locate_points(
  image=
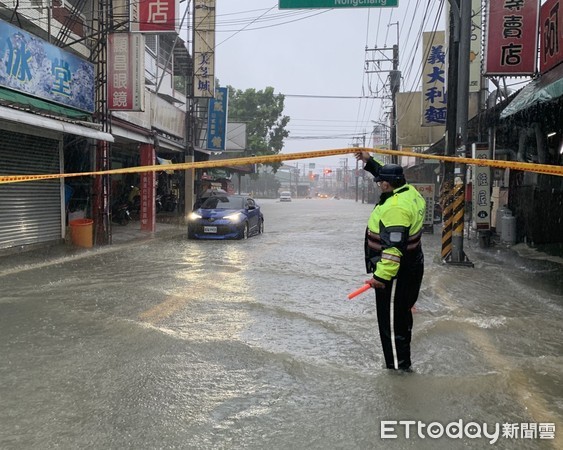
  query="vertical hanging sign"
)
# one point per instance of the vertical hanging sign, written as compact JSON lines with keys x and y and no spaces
{"x":434,"y":79}
{"x":551,"y":34}
{"x":154,"y":16}
{"x":217,"y":120}
{"x":126,"y":72}
{"x":511,"y":43}
{"x":481,"y":189}
{"x":204,"y":48}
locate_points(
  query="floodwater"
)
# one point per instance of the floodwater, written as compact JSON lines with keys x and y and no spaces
{"x":174,"y":344}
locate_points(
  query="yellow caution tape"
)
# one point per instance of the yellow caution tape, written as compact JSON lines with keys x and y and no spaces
{"x":267,"y":159}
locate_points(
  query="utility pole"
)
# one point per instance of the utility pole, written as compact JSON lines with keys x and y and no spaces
{"x":102,"y":184}
{"x":456,"y":128}
{"x":394,"y":82}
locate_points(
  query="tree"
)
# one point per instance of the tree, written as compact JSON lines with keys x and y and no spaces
{"x":262,"y":111}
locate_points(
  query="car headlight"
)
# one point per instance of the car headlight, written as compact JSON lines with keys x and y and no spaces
{"x":234,"y":217}
{"x":194,"y":216}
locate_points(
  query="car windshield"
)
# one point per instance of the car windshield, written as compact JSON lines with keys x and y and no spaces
{"x":223,"y":203}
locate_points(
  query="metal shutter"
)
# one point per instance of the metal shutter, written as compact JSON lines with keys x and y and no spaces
{"x":30,"y":212}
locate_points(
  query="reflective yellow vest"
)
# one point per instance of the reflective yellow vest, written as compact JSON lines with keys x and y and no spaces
{"x":394,"y":230}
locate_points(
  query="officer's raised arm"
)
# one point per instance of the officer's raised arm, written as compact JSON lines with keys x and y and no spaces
{"x":371,"y":165}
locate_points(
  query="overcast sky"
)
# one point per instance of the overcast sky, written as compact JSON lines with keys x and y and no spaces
{"x":319,"y":52}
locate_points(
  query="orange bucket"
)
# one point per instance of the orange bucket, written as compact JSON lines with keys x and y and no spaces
{"x":81,"y":232}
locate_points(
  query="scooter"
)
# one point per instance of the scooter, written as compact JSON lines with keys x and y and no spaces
{"x":120,"y":213}
{"x":169,"y":202}
{"x":158,"y":203}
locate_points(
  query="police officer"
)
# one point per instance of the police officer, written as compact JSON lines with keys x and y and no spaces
{"x":393,"y":254}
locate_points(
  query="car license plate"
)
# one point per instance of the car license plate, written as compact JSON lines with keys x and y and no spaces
{"x":210,"y":229}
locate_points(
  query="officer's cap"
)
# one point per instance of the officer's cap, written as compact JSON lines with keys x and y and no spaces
{"x":390,"y":172}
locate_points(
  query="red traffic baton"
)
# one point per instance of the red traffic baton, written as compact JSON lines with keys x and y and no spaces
{"x":359,"y":291}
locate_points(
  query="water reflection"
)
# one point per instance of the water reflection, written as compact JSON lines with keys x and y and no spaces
{"x":253,"y":344}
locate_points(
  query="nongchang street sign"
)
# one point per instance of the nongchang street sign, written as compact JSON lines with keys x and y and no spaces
{"x":307,"y":4}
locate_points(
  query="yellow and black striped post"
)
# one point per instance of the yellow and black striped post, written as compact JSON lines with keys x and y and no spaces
{"x":452,"y":232}
{"x":447,"y":221}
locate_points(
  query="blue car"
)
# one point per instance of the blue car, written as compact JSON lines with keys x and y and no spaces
{"x":226,"y":217}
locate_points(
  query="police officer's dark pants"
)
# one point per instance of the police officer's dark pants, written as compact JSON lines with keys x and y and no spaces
{"x":394,"y":314}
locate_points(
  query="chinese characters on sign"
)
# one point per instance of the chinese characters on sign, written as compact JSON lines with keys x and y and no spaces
{"x":126,"y":67}
{"x":551,"y":35}
{"x":35,"y":67}
{"x":204,"y":48}
{"x":511,"y":41}
{"x":481,"y":189}
{"x":217,"y":120}
{"x":147,"y":218}
{"x":434,"y":79}
{"x":154,"y":16}
{"x":427,"y":191}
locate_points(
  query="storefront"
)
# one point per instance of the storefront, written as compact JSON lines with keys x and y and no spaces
{"x":46,"y":106}
{"x":36,"y":212}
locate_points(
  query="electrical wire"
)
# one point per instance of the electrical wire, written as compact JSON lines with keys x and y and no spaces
{"x":237,"y":32}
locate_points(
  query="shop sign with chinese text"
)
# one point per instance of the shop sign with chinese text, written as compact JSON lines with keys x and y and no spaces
{"x":433,"y":79}
{"x":481,"y":195}
{"x":511,"y":42}
{"x":154,"y":16}
{"x":32,"y":66}
{"x":204,"y":48}
{"x":551,"y":35}
{"x":126,"y":71}
{"x":217,"y":120}
{"x":427,"y":191}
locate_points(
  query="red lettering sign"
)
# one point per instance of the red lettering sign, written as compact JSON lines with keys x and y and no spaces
{"x":511,"y":42}
{"x":154,"y":16}
{"x":551,"y":35}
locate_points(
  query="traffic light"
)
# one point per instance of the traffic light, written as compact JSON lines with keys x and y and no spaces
{"x":327,"y":171}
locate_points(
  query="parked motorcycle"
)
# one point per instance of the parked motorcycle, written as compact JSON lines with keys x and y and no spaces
{"x":120,"y":213}
{"x":134,"y":199}
{"x":169,"y":202}
{"x":158,"y":203}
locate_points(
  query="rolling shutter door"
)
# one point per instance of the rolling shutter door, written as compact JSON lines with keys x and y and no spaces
{"x":30,"y":212}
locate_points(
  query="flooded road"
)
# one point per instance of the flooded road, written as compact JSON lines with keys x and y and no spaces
{"x":176,"y":344}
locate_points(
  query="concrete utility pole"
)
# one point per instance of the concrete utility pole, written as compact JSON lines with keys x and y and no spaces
{"x":456,"y":127}
{"x":394,"y":83}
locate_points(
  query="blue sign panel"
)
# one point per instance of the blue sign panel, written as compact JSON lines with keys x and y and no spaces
{"x":30,"y":65}
{"x":217,"y":121}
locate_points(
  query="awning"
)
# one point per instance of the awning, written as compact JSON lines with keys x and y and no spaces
{"x":542,"y":90}
{"x":130,"y":134}
{"x":171,"y":144}
{"x":14,"y":115}
{"x":9,"y":97}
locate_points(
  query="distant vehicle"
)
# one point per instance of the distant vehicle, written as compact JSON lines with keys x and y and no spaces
{"x":322,"y":195}
{"x":226,"y":217}
{"x":285,"y":196}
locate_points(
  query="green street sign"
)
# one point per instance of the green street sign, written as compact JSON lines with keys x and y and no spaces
{"x":307,"y":4}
